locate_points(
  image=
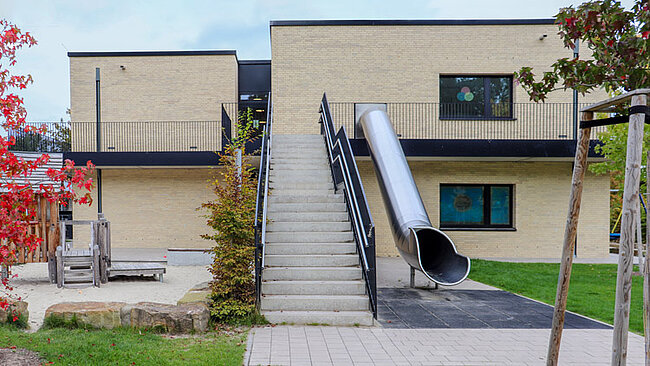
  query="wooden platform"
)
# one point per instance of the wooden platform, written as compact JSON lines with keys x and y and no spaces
{"x":137,"y":269}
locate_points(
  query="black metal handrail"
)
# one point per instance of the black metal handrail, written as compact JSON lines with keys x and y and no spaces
{"x":430,"y":120}
{"x":261,"y":202}
{"x":345,"y":172}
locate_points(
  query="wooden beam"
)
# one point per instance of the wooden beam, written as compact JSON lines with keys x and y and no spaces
{"x":626,"y":248}
{"x":579,"y":168}
{"x":611,"y":103}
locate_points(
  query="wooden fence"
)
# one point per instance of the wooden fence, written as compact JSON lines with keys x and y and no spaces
{"x":45,"y":227}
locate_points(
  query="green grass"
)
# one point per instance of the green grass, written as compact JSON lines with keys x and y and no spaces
{"x":126,"y":347}
{"x":591,"y":291}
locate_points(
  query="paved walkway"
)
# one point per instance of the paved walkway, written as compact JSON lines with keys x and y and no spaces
{"x":305,"y":345}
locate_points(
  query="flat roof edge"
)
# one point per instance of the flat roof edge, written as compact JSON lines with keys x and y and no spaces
{"x":151,"y":53}
{"x":414,"y":22}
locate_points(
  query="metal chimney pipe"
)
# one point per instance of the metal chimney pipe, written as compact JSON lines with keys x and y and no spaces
{"x":422,"y":246}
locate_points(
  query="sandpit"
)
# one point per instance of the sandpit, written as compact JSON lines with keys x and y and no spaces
{"x":34,"y":287}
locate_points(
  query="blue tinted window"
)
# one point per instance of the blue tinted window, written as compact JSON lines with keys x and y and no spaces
{"x":500,"y":206}
{"x":461,"y":205}
{"x":475,"y":206}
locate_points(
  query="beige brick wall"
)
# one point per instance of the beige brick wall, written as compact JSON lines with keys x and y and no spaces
{"x":398,"y":64}
{"x":541,"y":192}
{"x":152,"y":88}
{"x":153,"y":208}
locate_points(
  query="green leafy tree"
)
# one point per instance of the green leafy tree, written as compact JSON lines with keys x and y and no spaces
{"x":620,"y":62}
{"x":231,"y":216}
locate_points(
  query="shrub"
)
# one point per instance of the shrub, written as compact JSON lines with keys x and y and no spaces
{"x":231,"y":216}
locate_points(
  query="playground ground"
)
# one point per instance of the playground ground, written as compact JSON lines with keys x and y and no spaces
{"x":469,"y":324}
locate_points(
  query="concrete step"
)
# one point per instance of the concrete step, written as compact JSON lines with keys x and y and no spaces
{"x":302,"y":192}
{"x":297,"y":137}
{"x":326,"y":260}
{"x":315,"y":303}
{"x":300,"y":178}
{"x":301,"y":185}
{"x":298,"y":153}
{"x":308,"y":216}
{"x":317,"y":162}
{"x":338,"y":318}
{"x":308,"y":207}
{"x":279,"y":226}
{"x":315,"y":165}
{"x":310,"y":248}
{"x":311,"y":273}
{"x":357,"y":287}
{"x":322,"y":173}
{"x":309,"y":237}
{"x":292,"y":197}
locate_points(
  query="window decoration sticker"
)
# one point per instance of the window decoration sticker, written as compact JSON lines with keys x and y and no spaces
{"x":462,"y":202}
{"x":465,"y":95}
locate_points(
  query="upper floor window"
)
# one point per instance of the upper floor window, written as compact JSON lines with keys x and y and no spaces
{"x":476,"y":97}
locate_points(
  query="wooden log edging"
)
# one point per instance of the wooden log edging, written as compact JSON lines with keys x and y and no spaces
{"x":579,"y":168}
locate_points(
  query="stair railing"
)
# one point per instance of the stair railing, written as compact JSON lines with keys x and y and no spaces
{"x":261,"y":202}
{"x":345,"y":172}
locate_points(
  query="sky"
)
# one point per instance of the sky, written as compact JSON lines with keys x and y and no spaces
{"x":61,"y":26}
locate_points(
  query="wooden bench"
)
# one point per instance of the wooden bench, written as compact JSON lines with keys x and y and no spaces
{"x":137,"y":269}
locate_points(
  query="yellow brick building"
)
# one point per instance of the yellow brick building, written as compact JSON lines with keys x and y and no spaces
{"x":163,"y":113}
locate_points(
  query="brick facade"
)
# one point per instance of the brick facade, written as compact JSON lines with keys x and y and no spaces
{"x":541,"y":193}
{"x":397,"y":63}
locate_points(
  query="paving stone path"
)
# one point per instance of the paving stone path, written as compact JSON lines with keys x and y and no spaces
{"x":305,"y":345}
{"x":442,"y":327}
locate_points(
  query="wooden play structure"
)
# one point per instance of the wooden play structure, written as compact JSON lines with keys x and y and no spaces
{"x":80,"y":266}
{"x":92,"y":265}
{"x":638,"y":113}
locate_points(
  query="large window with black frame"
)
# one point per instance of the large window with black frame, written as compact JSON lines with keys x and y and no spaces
{"x":476,"y":206}
{"x":476,"y":97}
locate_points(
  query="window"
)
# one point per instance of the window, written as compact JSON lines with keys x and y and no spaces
{"x":476,"y":206}
{"x":476,"y":97}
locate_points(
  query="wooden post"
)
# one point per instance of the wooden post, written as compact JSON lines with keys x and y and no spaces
{"x":626,"y":248}
{"x":646,"y":273}
{"x":59,"y":266}
{"x":570,"y":231}
{"x":639,"y":239}
{"x":44,"y":229}
{"x":96,"y":279}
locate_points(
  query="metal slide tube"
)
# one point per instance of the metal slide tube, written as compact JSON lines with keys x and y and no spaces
{"x":421,"y":245}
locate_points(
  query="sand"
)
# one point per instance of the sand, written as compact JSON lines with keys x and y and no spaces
{"x":34,"y":287}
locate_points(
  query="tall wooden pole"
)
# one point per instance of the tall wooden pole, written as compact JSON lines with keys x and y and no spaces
{"x":626,"y":248}
{"x":646,"y":273}
{"x":579,"y":168}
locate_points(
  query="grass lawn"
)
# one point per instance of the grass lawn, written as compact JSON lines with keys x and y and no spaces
{"x":591,"y":292}
{"x":127,"y":347}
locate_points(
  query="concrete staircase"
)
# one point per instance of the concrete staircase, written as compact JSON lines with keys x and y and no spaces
{"x":312,"y":272}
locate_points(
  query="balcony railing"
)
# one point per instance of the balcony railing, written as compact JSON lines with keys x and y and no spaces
{"x":514,"y":121}
{"x":131,"y":136}
{"x":55,"y":139}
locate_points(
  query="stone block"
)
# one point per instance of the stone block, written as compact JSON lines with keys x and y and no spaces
{"x":91,"y":313}
{"x":20,"y":307}
{"x":185,"y":318}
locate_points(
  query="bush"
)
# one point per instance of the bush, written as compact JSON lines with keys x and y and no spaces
{"x":231,"y":216}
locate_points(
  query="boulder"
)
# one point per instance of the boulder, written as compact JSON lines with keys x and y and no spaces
{"x":91,"y":313}
{"x":195,"y":297}
{"x":185,"y":318}
{"x":20,"y":307}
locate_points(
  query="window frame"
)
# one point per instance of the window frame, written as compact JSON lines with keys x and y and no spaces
{"x":487,"y":109}
{"x":487,"y":208}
